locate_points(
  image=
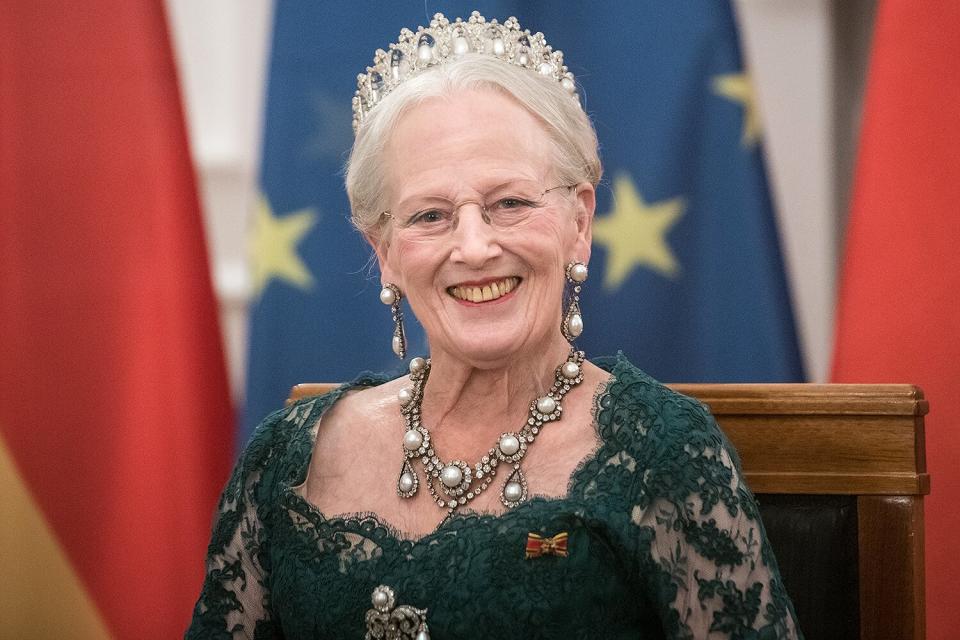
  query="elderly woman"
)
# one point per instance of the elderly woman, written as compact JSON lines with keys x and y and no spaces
{"x":508,"y":487}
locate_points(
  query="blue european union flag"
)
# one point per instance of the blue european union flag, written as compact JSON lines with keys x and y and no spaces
{"x":686,"y":274}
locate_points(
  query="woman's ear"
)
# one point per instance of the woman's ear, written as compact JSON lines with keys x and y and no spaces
{"x":380,"y":243}
{"x":586,"y":205}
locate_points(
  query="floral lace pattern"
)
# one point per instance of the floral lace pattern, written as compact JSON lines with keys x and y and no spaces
{"x":664,"y":542}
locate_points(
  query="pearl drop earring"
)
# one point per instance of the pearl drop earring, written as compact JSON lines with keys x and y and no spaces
{"x":391,"y":295}
{"x":572,"y":324}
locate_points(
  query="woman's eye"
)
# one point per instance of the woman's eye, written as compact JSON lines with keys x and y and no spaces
{"x":512,"y":203}
{"x":430,"y":216}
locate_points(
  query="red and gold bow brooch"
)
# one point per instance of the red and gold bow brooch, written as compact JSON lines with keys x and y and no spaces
{"x":538,"y":545}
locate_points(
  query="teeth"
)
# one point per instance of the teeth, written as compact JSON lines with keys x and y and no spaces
{"x":488,"y":292}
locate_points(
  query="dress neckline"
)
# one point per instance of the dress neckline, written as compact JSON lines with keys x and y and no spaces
{"x":363,"y":520}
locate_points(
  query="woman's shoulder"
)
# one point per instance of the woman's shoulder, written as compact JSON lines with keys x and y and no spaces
{"x":371,"y":398}
{"x":634,"y":399}
{"x":669,"y":441}
{"x":303,"y":412}
{"x":659,"y":444}
{"x":287,"y":435}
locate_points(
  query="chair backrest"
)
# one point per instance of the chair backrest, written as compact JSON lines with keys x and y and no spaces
{"x":839,"y":472}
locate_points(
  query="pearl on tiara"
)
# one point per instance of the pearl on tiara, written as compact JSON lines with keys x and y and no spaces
{"x":442,"y":41}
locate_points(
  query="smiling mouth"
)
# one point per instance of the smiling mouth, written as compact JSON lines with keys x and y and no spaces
{"x":486,"y":292}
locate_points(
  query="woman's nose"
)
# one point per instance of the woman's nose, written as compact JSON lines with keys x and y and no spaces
{"x":474,"y":238}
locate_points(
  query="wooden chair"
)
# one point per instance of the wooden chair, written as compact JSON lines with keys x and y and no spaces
{"x":839,"y":472}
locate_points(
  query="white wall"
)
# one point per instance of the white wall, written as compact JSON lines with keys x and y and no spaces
{"x":222,"y":48}
{"x":789,"y":51}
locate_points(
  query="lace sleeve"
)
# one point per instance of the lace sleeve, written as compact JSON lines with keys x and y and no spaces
{"x":235,"y":599}
{"x":704,"y":556}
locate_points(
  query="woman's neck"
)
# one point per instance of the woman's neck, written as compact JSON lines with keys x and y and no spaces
{"x":467,"y":407}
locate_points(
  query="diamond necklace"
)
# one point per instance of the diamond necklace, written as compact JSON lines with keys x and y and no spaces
{"x":452,"y":483}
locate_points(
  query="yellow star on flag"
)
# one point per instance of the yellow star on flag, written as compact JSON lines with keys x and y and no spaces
{"x":737,"y":87}
{"x":273,"y":247}
{"x":635,"y":233}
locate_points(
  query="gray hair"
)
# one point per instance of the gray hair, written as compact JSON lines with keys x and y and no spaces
{"x":574,"y":141}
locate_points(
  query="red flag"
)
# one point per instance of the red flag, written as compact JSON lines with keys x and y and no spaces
{"x":899,"y":307}
{"x":115,"y":419}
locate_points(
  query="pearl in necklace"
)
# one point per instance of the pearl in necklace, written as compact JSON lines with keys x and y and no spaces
{"x":455,"y":483}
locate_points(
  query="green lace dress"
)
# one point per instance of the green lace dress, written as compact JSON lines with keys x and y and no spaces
{"x":664,"y":542}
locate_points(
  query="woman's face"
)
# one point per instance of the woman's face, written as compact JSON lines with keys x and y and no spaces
{"x":483,"y":292}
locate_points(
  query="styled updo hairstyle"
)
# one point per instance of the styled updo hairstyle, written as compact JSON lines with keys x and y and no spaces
{"x":573,"y":138}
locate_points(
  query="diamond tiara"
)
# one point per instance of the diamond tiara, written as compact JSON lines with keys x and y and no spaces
{"x":443,"y":41}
